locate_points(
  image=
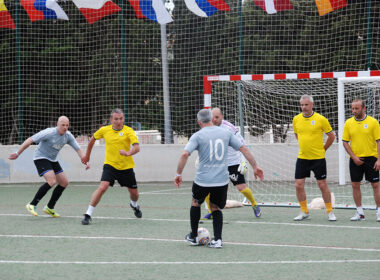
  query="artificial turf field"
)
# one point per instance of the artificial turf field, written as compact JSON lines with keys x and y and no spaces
{"x":119,"y":246}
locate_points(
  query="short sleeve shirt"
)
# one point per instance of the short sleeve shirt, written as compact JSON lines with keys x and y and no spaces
{"x":50,"y":142}
{"x":363,"y":135}
{"x":115,"y":141}
{"x":310,"y":131}
{"x":234,"y":157}
{"x":212,"y":145}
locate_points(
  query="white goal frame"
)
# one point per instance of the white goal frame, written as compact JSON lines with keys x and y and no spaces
{"x":341,"y":77}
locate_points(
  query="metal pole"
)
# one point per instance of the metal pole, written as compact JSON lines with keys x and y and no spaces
{"x":124,"y":61}
{"x":241,"y":46}
{"x":19,"y":79}
{"x":165,"y":81}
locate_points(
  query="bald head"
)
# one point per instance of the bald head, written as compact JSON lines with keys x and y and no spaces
{"x":63,"y":124}
{"x":217,"y":116}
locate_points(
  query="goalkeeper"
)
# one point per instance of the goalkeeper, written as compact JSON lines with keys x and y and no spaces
{"x":237,"y":166}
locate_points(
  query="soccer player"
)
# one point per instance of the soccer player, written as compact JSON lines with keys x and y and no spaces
{"x":121,"y":144}
{"x":236,"y":164}
{"x":309,"y":127}
{"x":363,"y":132}
{"x":212,"y":174}
{"x":50,"y":141}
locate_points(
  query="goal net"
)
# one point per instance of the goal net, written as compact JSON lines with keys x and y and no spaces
{"x":264,"y":106}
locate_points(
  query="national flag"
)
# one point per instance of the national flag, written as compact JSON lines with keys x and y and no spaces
{"x":151,"y":9}
{"x":327,"y":6}
{"x":43,"y":9}
{"x":206,"y":8}
{"x":6,"y":20}
{"x":94,"y":10}
{"x":274,"y":6}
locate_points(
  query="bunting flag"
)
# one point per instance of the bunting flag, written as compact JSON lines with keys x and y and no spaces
{"x":327,"y":6}
{"x":151,"y":9}
{"x":6,"y":20}
{"x":206,"y":8}
{"x":94,"y":10}
{"x":274,"y":6}
{"x":43,"y":9}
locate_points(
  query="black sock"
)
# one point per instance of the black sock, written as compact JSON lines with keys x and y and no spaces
{"x":55,"y":196}
{"x":195,"y":215}
{"x":40,"y":193}
{"x":217,"y":223}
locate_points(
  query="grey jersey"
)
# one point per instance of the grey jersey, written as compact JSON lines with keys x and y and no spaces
{"x":50,"y":142}
{"x":212,"y":143}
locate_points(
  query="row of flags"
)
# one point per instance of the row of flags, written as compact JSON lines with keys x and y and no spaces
{"x":94,"y":10}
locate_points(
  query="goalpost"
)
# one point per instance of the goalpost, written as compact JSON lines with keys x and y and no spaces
{"x":263,"y":107}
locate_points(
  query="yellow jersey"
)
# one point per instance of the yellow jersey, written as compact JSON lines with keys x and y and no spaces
{"x":310,"y":131}
{"x":363,"y":135}
{"x":117,"y":140}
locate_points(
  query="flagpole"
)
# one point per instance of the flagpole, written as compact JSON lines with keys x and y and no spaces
{"x":165,"y":80}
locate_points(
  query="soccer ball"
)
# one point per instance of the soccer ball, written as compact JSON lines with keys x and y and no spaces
{"x":203,"y":236}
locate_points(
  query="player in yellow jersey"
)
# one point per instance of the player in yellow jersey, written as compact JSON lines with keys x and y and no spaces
{"x":363,"y":133}
{"x":121,"y":144}
{"x":309,"y":127}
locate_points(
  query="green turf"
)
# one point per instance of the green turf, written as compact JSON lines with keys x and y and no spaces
{"x":119,"y":246}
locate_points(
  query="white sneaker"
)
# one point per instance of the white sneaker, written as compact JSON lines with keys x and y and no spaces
{"x":215,"y":243}
{"x":378,"y":216}
{"x":302,"y":216}
{"x":359,"y":217}
{"x":332,"y":217}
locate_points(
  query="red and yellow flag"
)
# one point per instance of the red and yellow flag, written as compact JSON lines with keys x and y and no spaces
{"x":327,"y":6}
{"x":6,"y":20}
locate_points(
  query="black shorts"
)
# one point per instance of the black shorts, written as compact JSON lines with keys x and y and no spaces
{"x":44,"y":165}
{"x":305,"y":166}
{"x":126,"y":177}
{"x":356,"y":172}
{"x":218,"y":195}
{"x":235,"y":176}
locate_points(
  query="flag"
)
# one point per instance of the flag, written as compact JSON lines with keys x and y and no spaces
{"x":6,"y":20}
{"x":151,"y":9}
{"x":206,"y":8}
{"x":327,"y":6}
{"x":274,"y":6}
{"x":43,"y":9}
{"x":94,"y":10}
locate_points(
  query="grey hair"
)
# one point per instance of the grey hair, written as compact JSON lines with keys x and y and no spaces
{"x":204,"y":116}
{"x":307,"y":97}
{"x":117,"y":111}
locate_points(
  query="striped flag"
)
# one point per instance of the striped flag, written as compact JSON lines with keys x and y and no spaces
{"x":94,"y":10}
{"x":152,"y":9}
{"x":274,"y":6}
{"x":43,"y":9}
{"x":206,"y":8}
{"x":327,"y":6}
{"x":6,"y":20}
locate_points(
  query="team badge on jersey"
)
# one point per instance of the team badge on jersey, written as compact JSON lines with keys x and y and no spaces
{"x":313,"y":122}
{"x":121,"y":134}
{"x":366,"y":125}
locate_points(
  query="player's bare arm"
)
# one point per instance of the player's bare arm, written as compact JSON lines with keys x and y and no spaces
{"x":22,"y":148}
{"x":135,"y":149}
{"x":330,"y":140}
{"x":377,"y":163}
{"x":181,"y":165}
{"x":349,"y":151}
{"x":86,"y":158}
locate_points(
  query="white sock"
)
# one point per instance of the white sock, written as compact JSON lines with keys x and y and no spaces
{"x":90,"y":210}
{"x":134,"y":203}
{"x":360,"y":210}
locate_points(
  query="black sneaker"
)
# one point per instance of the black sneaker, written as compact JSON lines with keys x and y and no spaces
{"x":137,"y":211}
{"x":191,"y":240}
{"x":86,"y":219}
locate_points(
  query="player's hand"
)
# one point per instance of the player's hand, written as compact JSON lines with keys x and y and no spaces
{"x":377,"y":165}
{"x":87,"y":165}
{"x":85,"y":159}
{"x":258,"y":172}
{"x":13,"y":156}
{"x":124,"y":153}
{"x":243,"y":167}
{"x":177,"y":181}
{"x":358,"y":161}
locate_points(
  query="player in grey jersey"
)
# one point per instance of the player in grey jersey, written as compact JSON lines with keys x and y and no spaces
{"x":212,"y":174}
{"x":50,"y":142}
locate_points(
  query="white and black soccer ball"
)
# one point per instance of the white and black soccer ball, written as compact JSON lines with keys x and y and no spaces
{"x":203,"y":236}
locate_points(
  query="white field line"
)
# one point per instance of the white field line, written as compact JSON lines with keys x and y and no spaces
{"x":118,"y":238}
{"x":192,"y":263}
{"x":296,"y":224}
